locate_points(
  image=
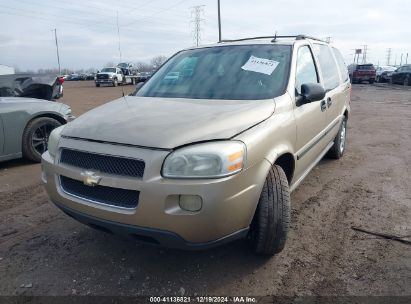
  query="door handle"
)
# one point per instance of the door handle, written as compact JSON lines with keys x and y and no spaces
{"x":323,"y":106}
{"x":329,"y":102}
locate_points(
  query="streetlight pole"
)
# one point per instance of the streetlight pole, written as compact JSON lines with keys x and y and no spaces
{"x":57,"y":48}
{"x":219,"y":21}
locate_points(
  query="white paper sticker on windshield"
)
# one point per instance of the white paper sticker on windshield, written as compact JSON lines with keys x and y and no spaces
{"x":260,"y":65}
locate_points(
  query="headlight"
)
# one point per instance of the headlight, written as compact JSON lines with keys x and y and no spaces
{"x":54,"y":139}
{"x":208,"y":160}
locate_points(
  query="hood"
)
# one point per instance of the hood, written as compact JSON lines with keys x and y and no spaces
{"x":166,"y":122}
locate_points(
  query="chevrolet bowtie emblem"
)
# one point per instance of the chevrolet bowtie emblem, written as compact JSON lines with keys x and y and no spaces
{"x":90,"y":178}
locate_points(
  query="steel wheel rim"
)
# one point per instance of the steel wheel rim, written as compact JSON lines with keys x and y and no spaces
{"x":342,"y":137}
{"x":40,"y":138}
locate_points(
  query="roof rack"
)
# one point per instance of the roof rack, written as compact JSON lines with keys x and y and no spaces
{"x":274,"y":38}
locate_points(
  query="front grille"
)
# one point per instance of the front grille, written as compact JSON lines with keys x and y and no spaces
{"x":102,"y":76}
{"x":103,"y":163}
{"x":100,"y":194}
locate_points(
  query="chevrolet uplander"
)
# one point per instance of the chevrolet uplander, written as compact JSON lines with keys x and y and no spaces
{"x":208,"y":150}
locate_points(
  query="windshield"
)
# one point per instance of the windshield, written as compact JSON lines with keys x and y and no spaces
{"x":123,"y":65}
{"x":108,"y":70}
{"x":365,"y":67}
{"x":227,"y":72}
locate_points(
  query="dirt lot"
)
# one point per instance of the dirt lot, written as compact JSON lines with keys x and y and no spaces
{"x":44,"y":252}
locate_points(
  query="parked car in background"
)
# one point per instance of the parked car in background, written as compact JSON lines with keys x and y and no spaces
{"x":90,"y":76}
{"x":209,"y":148}
{"x":73,"y":77}
{"x":383,"y":73}
{"x":25,"y":126}
{"x":402,"y":75}
{"x":127,"y":68}
{"x":362,"y":72}
{"x":143,"y":76}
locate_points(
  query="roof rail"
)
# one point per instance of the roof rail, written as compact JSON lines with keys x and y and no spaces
{"x":297,"y":37}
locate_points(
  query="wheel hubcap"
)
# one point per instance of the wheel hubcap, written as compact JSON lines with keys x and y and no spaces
{"x":40,"y":138}
{"x":342,"y":137}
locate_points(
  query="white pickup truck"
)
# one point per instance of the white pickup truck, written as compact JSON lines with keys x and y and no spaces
{"x":114,"y":76}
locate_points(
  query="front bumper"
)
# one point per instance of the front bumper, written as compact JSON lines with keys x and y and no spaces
{"x":103,"y":81}
{"x":228,"y":203}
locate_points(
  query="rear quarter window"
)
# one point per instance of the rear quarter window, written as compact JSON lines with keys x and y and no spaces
{"x":328,"y":66}
{"x":341,"y":64}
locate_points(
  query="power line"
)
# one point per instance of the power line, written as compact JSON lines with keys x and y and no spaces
{"x":197,"y":13}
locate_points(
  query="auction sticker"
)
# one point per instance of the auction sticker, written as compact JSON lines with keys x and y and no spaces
{"x":260,"y":65}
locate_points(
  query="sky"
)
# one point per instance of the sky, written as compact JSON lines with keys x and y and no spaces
{"x":88,"y":34}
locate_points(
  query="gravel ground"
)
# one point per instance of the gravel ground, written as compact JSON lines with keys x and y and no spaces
{"x":44,"y":252}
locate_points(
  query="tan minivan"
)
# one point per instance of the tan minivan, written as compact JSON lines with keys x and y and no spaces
{"x":208,"y":150}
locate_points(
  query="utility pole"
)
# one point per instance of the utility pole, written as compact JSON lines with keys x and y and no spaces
{"x":406,"y":59}
{"x":401,"y":60}
{"x":219,"y":21}
{"x":364,"y":54}
{"x":118,"y":34}
{"x":197,"y":13}
{"x":57,"y":48}
{"x":389,"y":50}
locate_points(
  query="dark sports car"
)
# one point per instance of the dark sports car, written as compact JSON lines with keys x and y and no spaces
{"x":402,"y":75}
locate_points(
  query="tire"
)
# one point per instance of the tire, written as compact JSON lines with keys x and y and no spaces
{"x":371,"y":81}
{"x":133,"y":81}
{"x":337,"y":150}
{"x":35,"y":137}
{"x":378,"y":79}
{"x":97,"y":85}
{"x":269,"y":228}
{"x":115,"y":83}
{"x":406,"y":81}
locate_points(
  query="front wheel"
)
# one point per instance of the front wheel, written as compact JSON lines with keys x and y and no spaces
{"x":115,"y":83}
{"x":406,"y":81}
{"x":269,"y":228}
{"x":36,"y":136}
{"x":338,"y":148}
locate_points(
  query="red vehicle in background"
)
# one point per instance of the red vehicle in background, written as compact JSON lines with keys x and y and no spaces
{"x":362,"y":72}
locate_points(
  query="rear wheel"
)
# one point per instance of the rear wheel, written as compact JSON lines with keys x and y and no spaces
{"x":36,"y":136}
{"x":269,"y":228}
{"x":406,"y":81}
{"x":97,"y":85}
{"x":337,"y":150}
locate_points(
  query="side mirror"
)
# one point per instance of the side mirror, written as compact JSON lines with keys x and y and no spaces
{"x":310,"y":92}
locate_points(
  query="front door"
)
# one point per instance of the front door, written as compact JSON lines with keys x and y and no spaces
{"x":311,"y":117}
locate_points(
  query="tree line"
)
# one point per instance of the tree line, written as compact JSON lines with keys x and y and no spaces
{"x":142,"y":66}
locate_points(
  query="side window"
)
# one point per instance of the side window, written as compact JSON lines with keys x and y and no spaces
{"x":306,"y":71}
{"x":328,"y":66}
{"x":341,"y":65}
